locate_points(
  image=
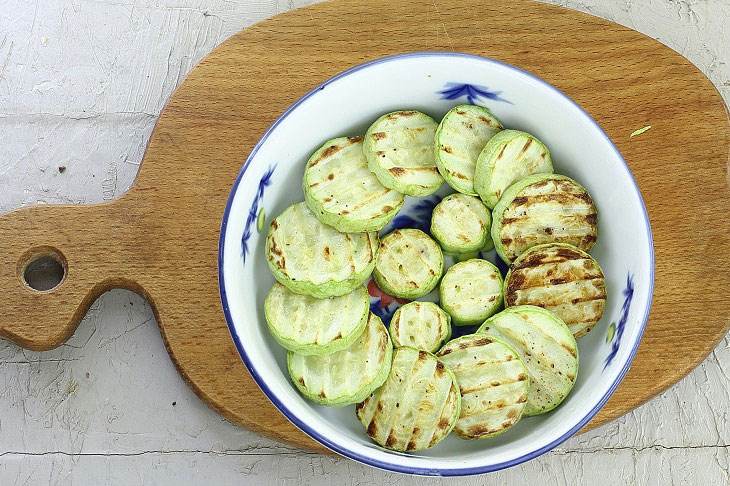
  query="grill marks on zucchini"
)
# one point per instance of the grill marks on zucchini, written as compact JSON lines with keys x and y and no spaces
{"x":312,"y":258}
{"x":562,"y":279}
{"x":461,"y":223}
{"x":409,"y":264}
{"x":347,"y":376}
{"x":343,"y":193}
{"x":311,"y":326}
{"x":471,"y":291}
{"x":399,"y":150}
{"x":493,"y":382}
{"x":420,"y":325}
{"x":547,"y":347}
{"x":460,"y":138}
{"x":543,"y":209}
{"x":416,"y":407}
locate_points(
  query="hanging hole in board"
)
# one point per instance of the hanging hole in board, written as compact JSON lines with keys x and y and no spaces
{"x":43,"y":269}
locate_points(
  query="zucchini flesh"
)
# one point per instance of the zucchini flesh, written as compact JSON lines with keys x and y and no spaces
{"x":461,"y":223}
{"x":471,"y":291}
{"x":420,"y":325}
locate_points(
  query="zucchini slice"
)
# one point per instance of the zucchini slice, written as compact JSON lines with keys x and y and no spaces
{"x":343,"y":193}
{"x":543,"y":208}
{"x":471,"y":291}
{"x":312,"y":258}
{"x":547,"y":347}
{"x":420,"y":325}
{"x":509,"y":156}
{"x":347,"y":376}
{"x":460,"y":138}
{"x":493,"y":382}
{"x":562,"y":279}
{"x":399,"y":150}
{"x":409,"y":264}
{"x":416,"y":407}
{"x":461,"y":223}
{"x":310,"y":326}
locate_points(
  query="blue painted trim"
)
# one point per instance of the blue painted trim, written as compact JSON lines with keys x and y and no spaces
{"x":325,"y":440}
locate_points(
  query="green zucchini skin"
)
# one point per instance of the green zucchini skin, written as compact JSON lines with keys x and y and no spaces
{"x":547,"y":347}
{"x":461,"y":224}
{"x":543,"y":208}
{"x":399,"y":150}
{"x":460,"y":138}
{"x":509,"y":156}
{"x":347,"y":376}
{"x":417,"y":406}
{"x":471,"y":291}
{"x":343,"y":193}
{"x":493,"y":382}
{"x":420,"y":325}
{"x":312,"y":258}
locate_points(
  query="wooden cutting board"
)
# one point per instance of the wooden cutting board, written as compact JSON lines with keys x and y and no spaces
{"x":161,"y":238}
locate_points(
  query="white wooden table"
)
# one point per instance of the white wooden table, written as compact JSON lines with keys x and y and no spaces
{"x":81,"y":85}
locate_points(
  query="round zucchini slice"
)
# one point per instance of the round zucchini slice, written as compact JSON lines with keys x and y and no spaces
{"x":399,"y":150}
{"x":409,"y":264}
{"x":420,"y":325}
{"x":471,"y":291}
{"x":562,"y":279}
{"x":311,"y":326}
{"x":460,"y":138}
{"x":543,"y":208}
{"x":493,"y":382}
{"x":509,"y":156}
{"x":460,"y":223}
{"x":312,"y":258}
{"x":416,"y":407}
{"x":347,"y":376}
{"x":343,"y":193}
{"x":547,"y":347}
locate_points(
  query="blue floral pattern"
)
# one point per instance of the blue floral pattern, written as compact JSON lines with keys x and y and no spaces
{"x":616,"y":341}
{"x":473,"y":93}
{"x":418,"y":217}
{"x":253,"y":212}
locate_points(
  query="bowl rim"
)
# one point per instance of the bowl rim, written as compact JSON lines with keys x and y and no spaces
{"x":342,"y":450}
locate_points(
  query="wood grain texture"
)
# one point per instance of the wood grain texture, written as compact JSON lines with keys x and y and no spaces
{"x":160,"y":239}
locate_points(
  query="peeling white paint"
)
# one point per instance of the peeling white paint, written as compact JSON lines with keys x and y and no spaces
{"x":108,"y":407}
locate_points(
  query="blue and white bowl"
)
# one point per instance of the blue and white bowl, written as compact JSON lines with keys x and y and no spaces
{"x":434,"y":82}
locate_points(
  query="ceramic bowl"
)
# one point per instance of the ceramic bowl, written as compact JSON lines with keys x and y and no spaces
{"x":434,"y":82}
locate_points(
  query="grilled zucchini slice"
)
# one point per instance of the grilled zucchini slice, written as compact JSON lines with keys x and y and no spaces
{"x":471,"y":291}
{"x":493,"y":382}
{"x":460,"y":138}
{"x":460,"y":223}
{"x":420,"y":325}
{"x":310,"y":326}
{"x":347,"y":376}
{"x":416,"y":407}
{"x":312,"y":258}
{"x":509,"y":156}
{"x":547,"y":347}
{"x":409,"y":264}
{"x":343,"y":193}
{"x":399,"y":150}
{"x":562,"y":279}
{"x":543,"y":208}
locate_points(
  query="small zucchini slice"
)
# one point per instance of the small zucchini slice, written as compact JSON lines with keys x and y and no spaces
{"x":343,"y":193}
{"x":461,"y":223}
{"x":420,"y":325}
{"x":312,"y":258}
{"x":543,"y":208}
{"x":562,"y":279}
{"x":416,"y":407}
{"x":347,"y":376}
{"x":471,"y":291}
{"x":399,"y":150}
{"x":547,"y":347}
{"x":409,"y":264}
{"x":310,"y":326}
{"x":460,"y":138}
{"x":509,"y":156}
{"x":493,"y":382}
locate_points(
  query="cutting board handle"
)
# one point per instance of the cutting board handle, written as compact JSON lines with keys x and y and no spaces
{"x":80,"y":246}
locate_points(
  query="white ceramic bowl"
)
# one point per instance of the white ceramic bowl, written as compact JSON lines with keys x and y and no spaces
{"x":434,"y":82}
